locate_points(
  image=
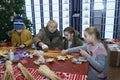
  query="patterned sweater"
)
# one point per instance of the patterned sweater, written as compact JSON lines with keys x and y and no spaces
{"x":98,"y":60}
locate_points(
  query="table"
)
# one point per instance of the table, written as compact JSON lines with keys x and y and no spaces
{"x":67,"y":69}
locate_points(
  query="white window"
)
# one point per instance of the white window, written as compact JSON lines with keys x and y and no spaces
{"x":46,"y":11}
{"x":85,"y":15}
{"x":110,"y":11}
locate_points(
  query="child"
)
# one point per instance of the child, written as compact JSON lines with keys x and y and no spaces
{"x":49,"y":37}
{"x":95,"y":53}
{"x":21,"y":37}
{"x":71,"y":38}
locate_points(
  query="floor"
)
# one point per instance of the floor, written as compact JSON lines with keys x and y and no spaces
{"x":114,"y":73}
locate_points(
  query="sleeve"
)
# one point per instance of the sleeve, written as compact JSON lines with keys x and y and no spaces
{"x":14,"y":41}
{"x":99,"y":63}
{"x":30,"y":39}
{"x":38,"y":37}
{"x":79,"y":42}
{"x":74,"y":49}
{"x":77,"y":49}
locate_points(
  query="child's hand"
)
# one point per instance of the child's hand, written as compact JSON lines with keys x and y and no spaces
{"x":84,"y":53}
{"x":64,"y":52}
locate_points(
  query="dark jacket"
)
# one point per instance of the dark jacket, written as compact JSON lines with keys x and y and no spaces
{"x":53,"y":40}
{"x":75,"y":42}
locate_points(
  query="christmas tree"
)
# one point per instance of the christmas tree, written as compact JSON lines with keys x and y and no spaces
{"x":8,"y":10}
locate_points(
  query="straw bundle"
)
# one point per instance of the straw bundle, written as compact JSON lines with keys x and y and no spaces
{"x":3,"y":55}
{"x":44,"y":70}
{"x":8,"y":75}
{"x":25,"y":72}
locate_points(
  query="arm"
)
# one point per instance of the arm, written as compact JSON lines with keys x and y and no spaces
{"x":14,"y":41}
{"x":77,"y":49}
{"x":37,"y":39}
{"x":99,"y":63}
{"x":73,"y":50}
{"x":30,"y":40}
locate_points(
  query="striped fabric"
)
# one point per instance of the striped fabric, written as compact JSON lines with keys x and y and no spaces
{"x":18,"y":23}
{"x":64,"y":76}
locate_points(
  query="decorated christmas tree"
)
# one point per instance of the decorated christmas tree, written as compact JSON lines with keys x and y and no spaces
{"x":8,"y":10}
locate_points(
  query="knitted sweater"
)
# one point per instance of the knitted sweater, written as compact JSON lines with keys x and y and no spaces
{"x":98,"y":60}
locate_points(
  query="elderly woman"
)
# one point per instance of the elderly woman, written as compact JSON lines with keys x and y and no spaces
{"x":48,"y":37}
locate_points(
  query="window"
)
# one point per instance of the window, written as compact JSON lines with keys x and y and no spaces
{"x":41,"y":11}
{"x":98,"y":5}
{"x":85,"y":15}
{"x":110,"y":12}
{"x":103,"y":16}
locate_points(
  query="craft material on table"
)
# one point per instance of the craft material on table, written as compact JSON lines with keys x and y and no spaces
{"x":60,"y":68}
{"x":8,"y":74}
{"x":37,"y":76}
{"x":25,"y":72}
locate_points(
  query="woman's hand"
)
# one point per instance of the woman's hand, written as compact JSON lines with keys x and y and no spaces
{"x":64,"y":52}
{"x":84,"y":53}
{"x":45,"y":47}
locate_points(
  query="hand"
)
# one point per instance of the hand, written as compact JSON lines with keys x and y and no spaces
{"x":22,"y":46}
{"x":45,"y":47}
{"x":64,"y":52}
{"x":84,"y":53}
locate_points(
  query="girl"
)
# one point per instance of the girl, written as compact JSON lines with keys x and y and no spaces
{"x":21,"y":37}
{"x":49,"y":37}
{"x":95,"y":53}
{"x":71,"y":38}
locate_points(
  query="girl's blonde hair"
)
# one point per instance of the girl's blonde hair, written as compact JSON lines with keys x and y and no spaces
{"x":52,"y":23}
{"x":93,"y":30}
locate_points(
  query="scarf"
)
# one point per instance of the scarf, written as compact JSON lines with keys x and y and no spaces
{"x":52,"y":35}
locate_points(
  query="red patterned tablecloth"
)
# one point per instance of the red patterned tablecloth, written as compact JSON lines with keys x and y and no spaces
{"x":37,"y":76}
{"x":64,"y":69}
{"x":111,"y":41}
